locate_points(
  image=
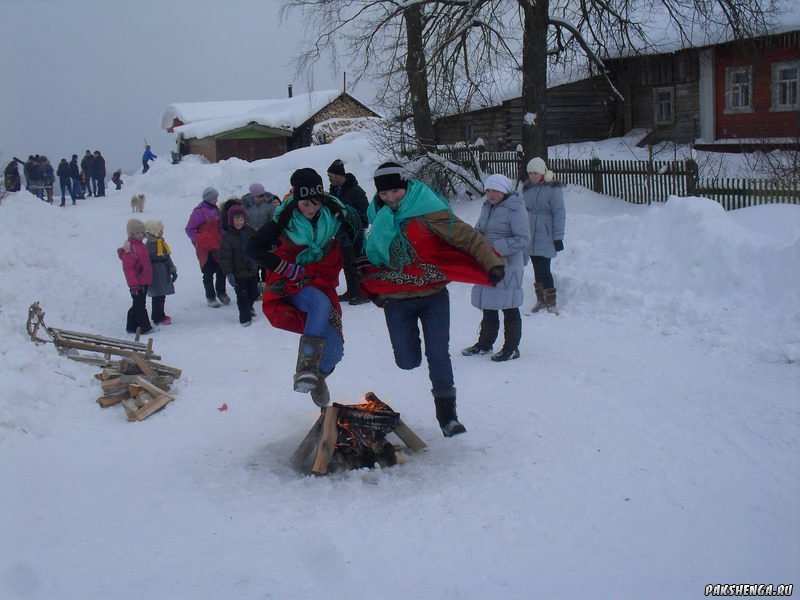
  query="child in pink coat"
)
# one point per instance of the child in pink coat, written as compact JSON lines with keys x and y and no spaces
{"x":139,"y":275}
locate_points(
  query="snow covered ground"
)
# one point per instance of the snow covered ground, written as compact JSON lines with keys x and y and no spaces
{"x":643,"y":446}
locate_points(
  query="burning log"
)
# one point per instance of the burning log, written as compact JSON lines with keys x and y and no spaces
{"x":354,"y":436}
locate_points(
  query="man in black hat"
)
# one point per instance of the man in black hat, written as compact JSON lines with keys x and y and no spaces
{"x":345,"y":187}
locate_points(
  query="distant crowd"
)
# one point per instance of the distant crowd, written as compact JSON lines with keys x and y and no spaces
{"x":78,"y":180}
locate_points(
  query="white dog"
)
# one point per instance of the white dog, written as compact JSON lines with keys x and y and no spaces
{"x":137,"y":203}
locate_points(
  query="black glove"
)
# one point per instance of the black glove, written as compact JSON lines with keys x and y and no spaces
{"x":174,"y":276}
{"x":559,"y":245}
{"x":496,"y":274}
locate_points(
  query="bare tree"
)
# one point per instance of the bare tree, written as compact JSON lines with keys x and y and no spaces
{"x":439,"y":56}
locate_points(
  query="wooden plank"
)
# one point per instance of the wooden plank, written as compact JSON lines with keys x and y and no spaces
{"x":166,"y":370}
{"x":307,"y":445}
{"x":155,"y":390}
{"x":161,"y":381}
{"x":109,"y":373}
{"x":409,"y":438}
{"x":106,"y":401}
{"x":153,"y":406}
{"x":61,"y":342}
{"x":327,"y":441}
{"x":110,"y":385}
{"x":140,"y":362}
{"x":98,"y":339}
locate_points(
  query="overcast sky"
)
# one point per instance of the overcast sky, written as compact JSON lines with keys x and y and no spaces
{"x":97,"y":74}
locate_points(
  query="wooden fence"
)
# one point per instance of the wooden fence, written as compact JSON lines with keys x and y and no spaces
{"x":637,"y":182}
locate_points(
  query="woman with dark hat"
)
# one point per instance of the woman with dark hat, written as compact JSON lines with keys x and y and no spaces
{"x":415,"y":247}
{"x":301,"y":250}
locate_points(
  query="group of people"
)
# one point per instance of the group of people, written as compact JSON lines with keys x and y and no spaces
{"x":414,"y":246}
{"x":79,"y":181}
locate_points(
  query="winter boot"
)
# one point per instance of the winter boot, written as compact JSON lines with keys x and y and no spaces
{"x":512,"y":330}
{"x":309,"y":354}
{"x":320,"y":394}
{"x":213,"y":303}
{"x":550,"y":300}
{"x":445,"y":401}
{"x":538,"y":289}
{"x":486,"y":337}
{"x":224,"y":298}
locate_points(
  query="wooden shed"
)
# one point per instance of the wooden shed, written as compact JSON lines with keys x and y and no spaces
{"x":256,"y":129}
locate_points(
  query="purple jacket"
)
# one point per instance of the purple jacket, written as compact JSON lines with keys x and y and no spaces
{"x":202,"y":213}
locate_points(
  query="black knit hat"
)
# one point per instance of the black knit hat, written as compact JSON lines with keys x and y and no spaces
{"x":337,"y":167}
{"x":389,"y":176}
{"x":307,"y":184}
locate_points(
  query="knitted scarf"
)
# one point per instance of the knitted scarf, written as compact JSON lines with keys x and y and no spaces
{"x":303,"y":232}
{"x":162,"y":247}
{"x":386,"y":244}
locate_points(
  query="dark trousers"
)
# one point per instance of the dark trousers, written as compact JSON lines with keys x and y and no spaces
{"x":433,"y":312}
{"x":541,"y":271}
{"x":145,"y":167}
{"x":137,"y":313}
{"x":246,"y":289}
{"x":66,"y":186}
{"x":99,"y":184}
{"x":76,"y":188}
{"x":157,"y":309}
{"x":211,"y":270}
{"x":350,"y":272}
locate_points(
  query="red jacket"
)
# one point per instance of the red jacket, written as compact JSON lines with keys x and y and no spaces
{"x":323,"y":275}
{"x":442,"y":252}
{"x":135,"y":263}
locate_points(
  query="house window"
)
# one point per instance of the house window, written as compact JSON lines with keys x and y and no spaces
{"x":785,"y":84}
{"x":664,"y":105}
{"x":738,"y":89}
{"x":469,"y":133}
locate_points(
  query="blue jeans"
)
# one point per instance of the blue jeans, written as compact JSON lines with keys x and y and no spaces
{"x":402,"y":317}
{"x":66,"y":186}
{"x":76,"y":188}
{"x":317,"y":307}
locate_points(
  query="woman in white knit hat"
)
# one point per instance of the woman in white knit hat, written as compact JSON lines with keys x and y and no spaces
{"x":547,"y":216}
{"x":504,"y":223}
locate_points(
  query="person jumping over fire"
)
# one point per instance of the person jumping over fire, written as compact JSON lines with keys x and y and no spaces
{"x":301,"y":248}
{"x":415,"y":247}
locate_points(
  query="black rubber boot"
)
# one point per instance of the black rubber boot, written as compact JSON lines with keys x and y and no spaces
{"x":445,"y":401}
{"x":486,"y":338}
{"x":513,"y":334}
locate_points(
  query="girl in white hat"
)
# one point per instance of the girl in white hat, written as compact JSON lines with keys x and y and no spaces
{"x":544,"y":201}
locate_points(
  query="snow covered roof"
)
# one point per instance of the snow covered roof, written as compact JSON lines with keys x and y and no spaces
{"x":203,"y":119}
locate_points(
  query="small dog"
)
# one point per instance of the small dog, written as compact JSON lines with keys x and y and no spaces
{"x":137,"y":203}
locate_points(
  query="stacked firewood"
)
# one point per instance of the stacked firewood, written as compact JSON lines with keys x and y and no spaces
{"x":133,"y":380}
{"x":140,"y":386}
